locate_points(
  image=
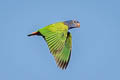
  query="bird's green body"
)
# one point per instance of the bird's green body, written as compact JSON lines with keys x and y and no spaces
{"x":59,"y":41}
{"x":55,"y":36}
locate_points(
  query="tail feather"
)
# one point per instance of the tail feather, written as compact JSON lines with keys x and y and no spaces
{"x":35,"y":33}
{"x":30,"y":35}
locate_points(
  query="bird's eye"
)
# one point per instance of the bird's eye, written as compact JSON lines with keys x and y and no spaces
{"x":74,"y":21}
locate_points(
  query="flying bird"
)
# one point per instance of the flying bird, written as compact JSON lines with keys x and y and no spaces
{"x":59,"y":40}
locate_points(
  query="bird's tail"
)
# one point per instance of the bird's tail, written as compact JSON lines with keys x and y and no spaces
{"x":34,"y":33}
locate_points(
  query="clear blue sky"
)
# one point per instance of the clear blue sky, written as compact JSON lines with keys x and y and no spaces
{"x":96,"y":45}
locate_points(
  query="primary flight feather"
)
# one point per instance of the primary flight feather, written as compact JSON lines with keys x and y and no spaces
{"x":59,"y":40}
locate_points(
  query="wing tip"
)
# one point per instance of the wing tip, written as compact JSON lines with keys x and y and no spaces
{"x":62,"y":64}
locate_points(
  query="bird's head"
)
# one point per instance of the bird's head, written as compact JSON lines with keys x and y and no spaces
{"x":72,"y":24}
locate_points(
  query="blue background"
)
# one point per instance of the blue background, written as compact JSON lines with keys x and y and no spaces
{"x":96,"y":45}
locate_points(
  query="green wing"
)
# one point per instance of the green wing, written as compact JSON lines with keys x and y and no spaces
{"x":62,"y":59}
{"x":55,"y":36}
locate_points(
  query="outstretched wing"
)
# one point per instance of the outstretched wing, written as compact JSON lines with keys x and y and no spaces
{"x":55,"y":36}
{"x":62,"y":59}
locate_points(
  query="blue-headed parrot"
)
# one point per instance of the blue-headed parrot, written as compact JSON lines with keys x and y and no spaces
{"x":59,"y":40}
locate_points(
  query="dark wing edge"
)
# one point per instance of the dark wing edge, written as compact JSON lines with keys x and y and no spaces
{"x":63,"y":58}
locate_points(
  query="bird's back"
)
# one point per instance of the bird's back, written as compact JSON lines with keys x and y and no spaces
{"x":57,"y":27}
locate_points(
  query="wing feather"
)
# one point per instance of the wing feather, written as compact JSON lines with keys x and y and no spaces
{"x":59,"y":41}
{"x":55,"y":36}
{"x":62,"y":59}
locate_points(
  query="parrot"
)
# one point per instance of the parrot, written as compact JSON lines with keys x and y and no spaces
{"x":59,"y":40}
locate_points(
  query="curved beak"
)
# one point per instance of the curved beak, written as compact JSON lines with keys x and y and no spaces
{"x":78,"y":25}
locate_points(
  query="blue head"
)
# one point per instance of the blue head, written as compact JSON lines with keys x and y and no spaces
{"x":72,"y":24}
